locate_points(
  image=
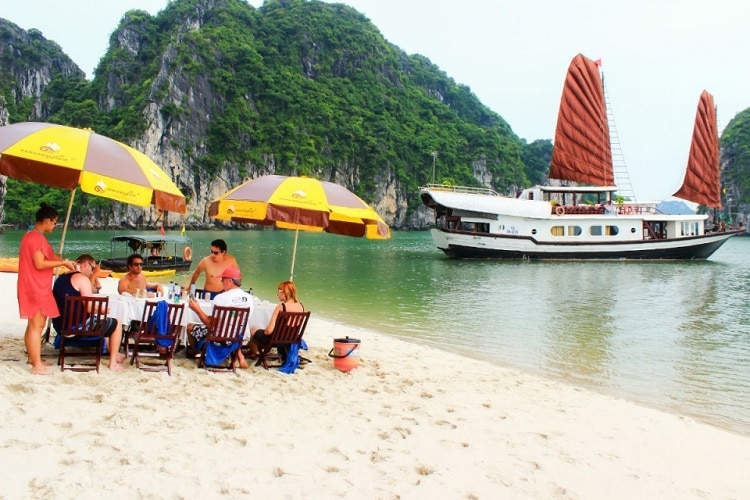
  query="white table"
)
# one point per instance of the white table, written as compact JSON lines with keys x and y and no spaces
{"x":127,"y":308}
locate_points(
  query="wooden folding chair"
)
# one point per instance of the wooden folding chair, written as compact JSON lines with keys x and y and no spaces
{"x":148,"y":343}
{"x":228,"y":325}
{"x":288,"y":330}
{"x":83,"y":318}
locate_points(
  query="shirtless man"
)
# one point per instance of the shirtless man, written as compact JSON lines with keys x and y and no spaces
{"x":214,"y":265}
{"x":135,"y":279}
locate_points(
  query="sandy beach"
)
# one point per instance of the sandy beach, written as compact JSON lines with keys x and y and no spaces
{"x":409,"y":422}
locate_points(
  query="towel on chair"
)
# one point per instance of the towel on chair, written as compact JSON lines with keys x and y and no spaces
{"x":216,"y":354}
{"x":158,"y":323}
{"x":291,"y":363}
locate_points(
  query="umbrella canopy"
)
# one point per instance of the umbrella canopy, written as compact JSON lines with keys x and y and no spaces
{"x":67,"y":157}
{"x":300,"y":203}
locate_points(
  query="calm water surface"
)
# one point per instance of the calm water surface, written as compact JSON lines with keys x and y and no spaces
{"x":671,"y":335}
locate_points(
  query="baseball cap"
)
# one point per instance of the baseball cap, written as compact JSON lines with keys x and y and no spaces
{"x":232,"y":272}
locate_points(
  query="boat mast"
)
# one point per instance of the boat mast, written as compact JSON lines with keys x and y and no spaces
{"x":622,"y":178}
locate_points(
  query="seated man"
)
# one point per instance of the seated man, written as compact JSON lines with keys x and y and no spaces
{"x":233,"y":295}
{"x":135,"y":280}
{"x":78,"y":283}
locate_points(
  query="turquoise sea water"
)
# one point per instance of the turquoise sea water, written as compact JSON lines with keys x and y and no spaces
{"x":671,"y":335}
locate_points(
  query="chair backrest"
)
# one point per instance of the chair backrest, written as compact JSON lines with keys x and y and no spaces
{"x":228,"y":323}
{"x":174,"y":319}
{"x":289,"y":327}
{"x":84,"y":316}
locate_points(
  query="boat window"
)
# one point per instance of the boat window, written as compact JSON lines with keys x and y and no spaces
{"x":606,"y":230}
{"x":557,"y":231}
{"x":574,"y":230}
{"x":689,"y":228}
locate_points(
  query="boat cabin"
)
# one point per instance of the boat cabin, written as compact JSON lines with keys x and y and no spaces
{"x":159,"y":252}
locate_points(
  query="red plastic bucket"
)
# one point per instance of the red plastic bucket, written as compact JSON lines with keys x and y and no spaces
{"x":345,"y":354}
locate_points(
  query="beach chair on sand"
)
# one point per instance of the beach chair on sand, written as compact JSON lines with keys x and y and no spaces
{"x":224,"y":338}
{"x":157,"y":336}
{"x":288,"y":331}
{"x":81,"y":334}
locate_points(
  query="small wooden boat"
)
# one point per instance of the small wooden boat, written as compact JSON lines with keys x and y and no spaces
{"x":160,"y":253}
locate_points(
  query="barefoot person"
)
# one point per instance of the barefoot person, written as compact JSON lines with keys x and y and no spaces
{"x":78,"y":283}
{"x":36,"y":261}
{"x":214,"y":265}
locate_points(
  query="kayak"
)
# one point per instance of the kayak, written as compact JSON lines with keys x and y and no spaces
{"x":10,"y":265}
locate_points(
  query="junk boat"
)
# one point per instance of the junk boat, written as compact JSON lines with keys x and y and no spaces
{"x":584,"y":222}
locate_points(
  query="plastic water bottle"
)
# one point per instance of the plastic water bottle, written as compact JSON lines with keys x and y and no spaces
{"x":170,"y":289}
{"x":192,"y":291}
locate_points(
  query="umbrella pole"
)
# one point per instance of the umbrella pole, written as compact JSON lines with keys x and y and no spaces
{"x":67,"y":219}
{"x":294,"y":254}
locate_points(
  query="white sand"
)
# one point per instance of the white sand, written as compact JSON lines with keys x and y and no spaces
{"x":410,"y":422}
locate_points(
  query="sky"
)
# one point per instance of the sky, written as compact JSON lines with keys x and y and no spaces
{"x":657,"y":56}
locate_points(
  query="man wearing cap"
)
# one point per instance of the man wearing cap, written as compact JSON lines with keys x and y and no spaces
{"x":234,"y":296}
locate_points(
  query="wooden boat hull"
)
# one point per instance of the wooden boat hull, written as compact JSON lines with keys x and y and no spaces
{"x":148,"y":274}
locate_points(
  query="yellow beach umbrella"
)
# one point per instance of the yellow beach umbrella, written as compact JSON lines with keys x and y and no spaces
{"x":300,"y":203}
{"x":68,"y":157}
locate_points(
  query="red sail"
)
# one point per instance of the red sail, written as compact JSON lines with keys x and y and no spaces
{"x":582,"y":150}
{"x":701,"y":184}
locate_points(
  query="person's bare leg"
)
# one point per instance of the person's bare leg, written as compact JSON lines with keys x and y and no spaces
{"x":241,"y":359}
{"x":115,"y":357}
{"x":33,"y":340}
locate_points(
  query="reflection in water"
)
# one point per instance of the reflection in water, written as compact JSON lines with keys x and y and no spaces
{"x":673,"y":335}
{"x":580,"y":322}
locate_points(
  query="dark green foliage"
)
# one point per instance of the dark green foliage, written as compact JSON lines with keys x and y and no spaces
{"x":735,"y":144}
{"x":537,"y":157}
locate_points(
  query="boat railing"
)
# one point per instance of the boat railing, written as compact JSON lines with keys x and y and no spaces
{"x":461,"y":189}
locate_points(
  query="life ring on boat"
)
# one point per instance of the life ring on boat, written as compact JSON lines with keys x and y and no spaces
{"x":187,"y":253}
{"x":559,"y":210}
{"x":627,"y":209}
